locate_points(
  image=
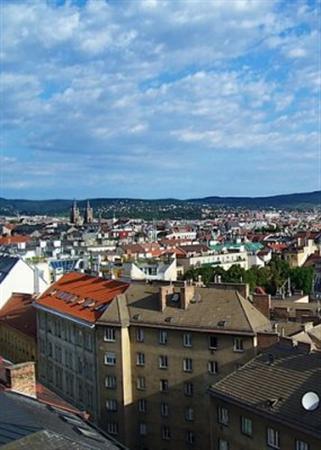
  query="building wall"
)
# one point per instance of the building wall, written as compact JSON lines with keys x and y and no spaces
{"x":128,"y":394}
{"x":66,"y":360}
{"x":239,"y":441}
{"x":16,"y":346}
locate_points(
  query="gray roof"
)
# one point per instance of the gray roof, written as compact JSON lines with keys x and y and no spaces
{"x":6,"y":264}
{"x":274,"y":383}
{"x":213,"y":306}
{"x":26,"y":423}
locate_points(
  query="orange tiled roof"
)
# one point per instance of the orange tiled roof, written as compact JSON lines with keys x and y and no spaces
{"x":11,"y":240}
{"x":18,"y":313}
{"x":81,"y":296}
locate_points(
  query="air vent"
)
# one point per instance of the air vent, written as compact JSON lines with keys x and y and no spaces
{"x":136,"y":316}
{"x":168,"y":319}
{"x":221,"y":323}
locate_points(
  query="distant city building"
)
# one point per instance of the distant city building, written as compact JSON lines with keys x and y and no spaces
{"x":75,"y":214}
{"x":89,"y":214}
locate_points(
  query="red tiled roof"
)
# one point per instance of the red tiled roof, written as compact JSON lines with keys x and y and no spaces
{"x":11,"y":240}
{"x":18,"y":313}
{"x":86,"y":295}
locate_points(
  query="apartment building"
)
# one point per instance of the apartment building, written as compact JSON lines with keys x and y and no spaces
{"x":272,"y":402}
{"x":159,"y":347}
{"x":66,"y":316}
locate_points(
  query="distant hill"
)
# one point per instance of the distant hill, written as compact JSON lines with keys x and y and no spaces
{"x":158,"y":208}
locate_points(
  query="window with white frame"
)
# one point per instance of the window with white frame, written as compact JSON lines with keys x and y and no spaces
{"x":212,"y":367}
{"x":111,"y":405}
{"x":112,"y":427}
{"x":189,"y":414}
{"x":212,"y":342}
{"x":110,"y":358}
{"x":163,"y":385}
{"x":300,"y":445}
{"x":110,"y":334}
{"x":187,"y":365}
{"x":187,"y":339}
{"x":190,"y":437}
{"x":273,"y":438}
{"x":142,"y":429}
{"x":222,"y":415}
{"x":139,"y":335}
{"x":166,"y":433}
{"x":238,"y":344}
{"x":141,"y":383}
{"x":164,"y":410}
{"x":140,"y":359}
{"x":246,"y":426}
{"x":163,"y":337}
{"x":163,"y":362}
{"x":188,"y":389}
{"x":142,"y":405}
{"x":110,"y":382}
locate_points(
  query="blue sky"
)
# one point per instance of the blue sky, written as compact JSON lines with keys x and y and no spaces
{"x":159,"y":98}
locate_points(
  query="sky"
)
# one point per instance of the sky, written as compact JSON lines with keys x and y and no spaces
{"x":159,"y":98}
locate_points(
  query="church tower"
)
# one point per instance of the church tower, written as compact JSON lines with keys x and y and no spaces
{"x":74,"y":213}
{"x":89,"y":214}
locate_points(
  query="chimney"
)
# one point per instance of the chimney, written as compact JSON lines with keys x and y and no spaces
{"x":262,"y":302}
{"x":164,"y":291}
{"x":21,"y":378}
{"x":36,"y":275}
{"x":187,"y":294}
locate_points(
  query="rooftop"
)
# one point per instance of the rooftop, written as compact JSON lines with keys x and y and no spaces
{"x":81,"y":296}
{"x":18,"y":313}
{"x":274,"y":384}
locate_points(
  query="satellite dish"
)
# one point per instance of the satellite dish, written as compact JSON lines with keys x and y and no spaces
{"x":310,"y":401}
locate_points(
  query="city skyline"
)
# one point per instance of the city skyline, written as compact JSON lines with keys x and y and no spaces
{"x":158,"y":99}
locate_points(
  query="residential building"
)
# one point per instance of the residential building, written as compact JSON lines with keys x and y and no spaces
{"x":66,"y":325}
{"x":159,"y":347}
{"x":269,"y":403}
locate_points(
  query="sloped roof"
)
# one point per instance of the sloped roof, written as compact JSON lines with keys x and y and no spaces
{"x":18,"y":313}
{"x":213,"y":306}
{"x":6,"y":264}
{"x":274,"y":383}
{"x":81,"y":296}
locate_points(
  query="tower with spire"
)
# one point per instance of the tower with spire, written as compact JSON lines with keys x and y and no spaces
{"x":89,"y":214}
{"x":74,"y":213}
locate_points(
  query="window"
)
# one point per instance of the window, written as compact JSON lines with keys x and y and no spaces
{"x":111,"y":382}
{"x":189,"y":414}
{"x":187,"y":365}
{"x":142,"y":405}
{"x":110,"y":334}
{"x":141,"y":383}
{"x":163,"y":362}
{"x":142,"y":429}
{"x":49,"y":348}
{"x":223,"y":445}
{"x":238,"y":344}
{"x":164,"y":409}
{"x":88,"y":341}
{"x":190,"y":437}
{"x":222,"y":415}
{"x":110,"y":359}
{"x":139,"y":335}
{"x":212,"y":342}
{"x":273,"y":438}
{"x":188,"y":389}
{"x":166,"y":433}
{"x":140,"y":359}
{"x":187,"y":340}
{"x":111,"y":405}
{"x":300,"y":445}
{"x":112,"y":427}
{"x":163,"y":385}
{"x":163,"y":337}
{"x":246,"y":426}
{"x":212,"y":367}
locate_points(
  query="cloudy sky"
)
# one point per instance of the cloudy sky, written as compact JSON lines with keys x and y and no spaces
{"x":159,"y":98}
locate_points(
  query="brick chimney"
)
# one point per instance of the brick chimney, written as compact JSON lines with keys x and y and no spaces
{"x":21,"y":378}
{"x":262,"y":302}
{"x":164,"y":291}
{"x":187,"y":294}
